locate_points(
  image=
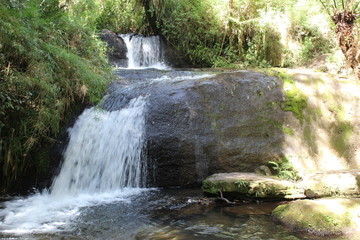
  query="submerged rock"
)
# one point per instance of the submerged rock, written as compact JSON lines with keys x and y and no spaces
{"x":245,"y":185}
{"x":321,"y":216}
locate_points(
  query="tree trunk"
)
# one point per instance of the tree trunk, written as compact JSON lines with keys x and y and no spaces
{"x":344,"y":21}
{"x":151,"y":17}
{"x":230,"y":23}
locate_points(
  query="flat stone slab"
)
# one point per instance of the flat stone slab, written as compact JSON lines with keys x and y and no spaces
{"x":252,"y":185}
{"x":324,"y":216}
{"x":332,"y":183}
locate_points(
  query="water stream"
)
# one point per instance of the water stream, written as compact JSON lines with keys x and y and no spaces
{"x":100,"y":191}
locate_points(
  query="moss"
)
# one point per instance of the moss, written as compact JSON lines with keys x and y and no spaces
{"x":287,"y":130}
{"x":295,"y":101}
{"x":214,"y":187}
{"x":214,"y":117}
{"x":279,"y":210}
{"x":209,"y":187}
{"x":341,"y":132}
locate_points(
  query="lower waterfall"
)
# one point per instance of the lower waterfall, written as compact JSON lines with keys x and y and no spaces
{"x":103,"y":162}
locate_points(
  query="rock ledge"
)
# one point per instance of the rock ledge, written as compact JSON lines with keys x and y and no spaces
{"x":251,"y":185}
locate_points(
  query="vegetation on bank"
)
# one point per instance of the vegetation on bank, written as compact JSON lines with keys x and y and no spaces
{"x":229,"y":33}
{"x":48,"y":63}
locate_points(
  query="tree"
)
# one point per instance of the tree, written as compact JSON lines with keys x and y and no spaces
{"x":343,"y":15}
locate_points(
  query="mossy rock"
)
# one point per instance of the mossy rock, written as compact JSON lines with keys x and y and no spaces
{"x":240,"y":185}
{"x":325,"y":216}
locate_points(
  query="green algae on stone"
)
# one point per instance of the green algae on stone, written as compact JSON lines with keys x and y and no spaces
{"x":322,"y":216}
{"x":295,"y":100}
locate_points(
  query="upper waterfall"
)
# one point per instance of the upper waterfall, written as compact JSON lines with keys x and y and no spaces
{"x":144,"y":52}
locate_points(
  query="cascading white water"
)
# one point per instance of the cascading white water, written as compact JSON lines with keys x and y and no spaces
{"x":144,"y":52}
{"x":103,"y":162}
{"x":104,"y":152}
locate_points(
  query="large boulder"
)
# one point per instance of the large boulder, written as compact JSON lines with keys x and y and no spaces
{"x":239,"y":121}
{"x":322,"y":216}
{"x":116,"y":48}
{"x":196,"y":127}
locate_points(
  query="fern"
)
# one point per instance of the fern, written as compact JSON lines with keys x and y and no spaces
{"x":284,"y":169}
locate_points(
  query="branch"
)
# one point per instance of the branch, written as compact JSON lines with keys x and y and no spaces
{"x":356,"y":6}
{"x":335,"y":4}
{"x":343,"y":4}
{"x":226,"y":200}
{"x":324,"y":6}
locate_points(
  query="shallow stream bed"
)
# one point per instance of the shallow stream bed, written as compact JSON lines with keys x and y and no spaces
{"x":171,"y":214}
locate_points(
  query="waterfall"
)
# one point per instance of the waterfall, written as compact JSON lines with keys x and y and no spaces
{"x":144,"y":52}
{"x":103,"y":162}
{"x":104,"y":152}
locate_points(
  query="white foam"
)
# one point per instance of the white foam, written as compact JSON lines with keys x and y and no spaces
{"x":45,"y":213}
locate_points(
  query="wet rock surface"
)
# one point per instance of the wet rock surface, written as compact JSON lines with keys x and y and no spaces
{"x":116,"y":48}
{"x":196,"y":126}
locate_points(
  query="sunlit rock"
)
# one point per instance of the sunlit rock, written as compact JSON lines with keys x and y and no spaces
{"x":333,"y":183}
{"x":251,"y":185}
{"x":321,"y":216}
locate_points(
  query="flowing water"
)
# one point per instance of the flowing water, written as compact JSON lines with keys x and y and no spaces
{"x":100,"y":191}
{"x":144,"y":52}
{"x":103,"y":163}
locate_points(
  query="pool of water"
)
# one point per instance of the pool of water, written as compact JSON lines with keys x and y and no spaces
{"x":181,"y":214}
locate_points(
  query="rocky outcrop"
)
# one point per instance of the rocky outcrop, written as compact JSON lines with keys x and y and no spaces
{"x":239,"y":121}
{"x":251,"y":185}
{"x":321,"y":216}
{"x":199,"y":126}
{"x":116,"y":48}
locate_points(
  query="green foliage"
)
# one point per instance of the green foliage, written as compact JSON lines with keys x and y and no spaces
{"x":243,"y":186}
{"x":249,"y":33}
{"x":219,"y":34}
{"x":119,"y":16}
{"x":284,"y":169}
{"x":48,"y":62}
